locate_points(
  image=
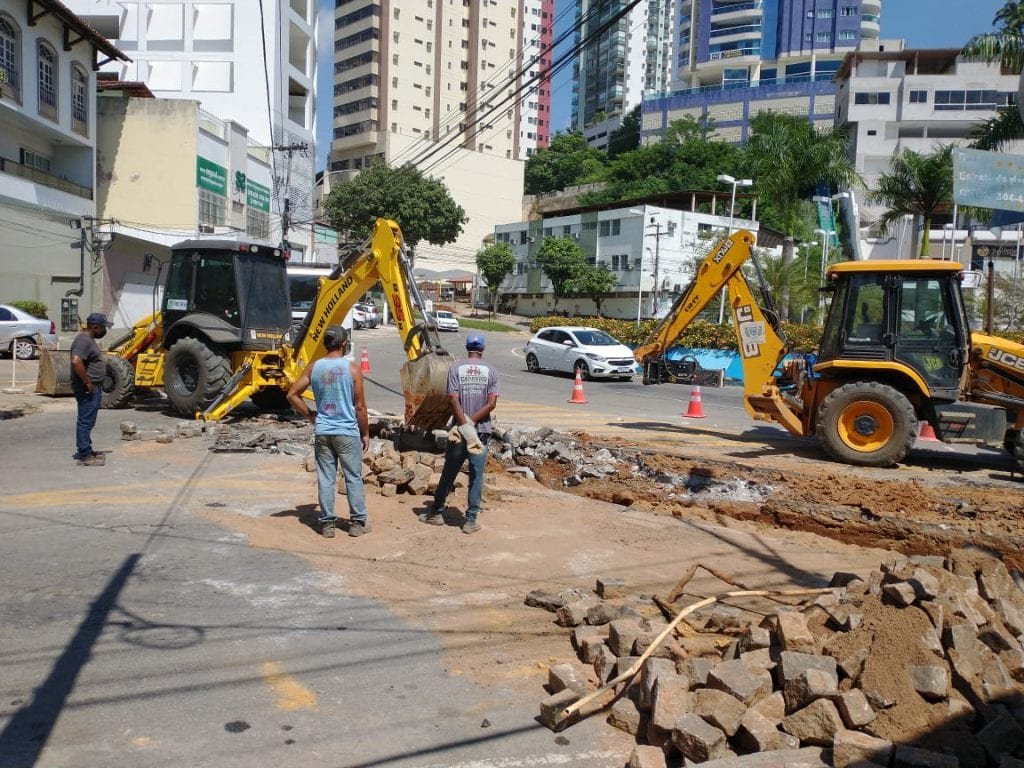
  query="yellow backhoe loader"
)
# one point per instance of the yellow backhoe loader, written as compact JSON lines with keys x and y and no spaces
{"x":224,"y":332}
{"x":896,"y":350}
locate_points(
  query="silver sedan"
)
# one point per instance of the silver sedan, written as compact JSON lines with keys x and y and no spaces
{"x":21,"y":333}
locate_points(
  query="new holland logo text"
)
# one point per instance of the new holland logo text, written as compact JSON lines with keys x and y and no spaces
{"x":328,"y":311}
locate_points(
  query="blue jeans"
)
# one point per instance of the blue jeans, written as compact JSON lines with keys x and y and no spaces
{"x":88,"y":408}
{"x":454,"y":456}
{"x":329,"y":450}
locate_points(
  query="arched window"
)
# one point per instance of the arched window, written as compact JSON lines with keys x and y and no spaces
{"x":47,"y":81}
{"x":79,"y":99}
{"x":10,"y":57}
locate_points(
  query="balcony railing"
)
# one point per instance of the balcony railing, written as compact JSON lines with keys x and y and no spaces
{"x":872,"y":17}
{"x":743,"y":29}
{"x":733,"y":53}
{"x":735,"y":7}
{"x":44,"y":178}
{"x":821,"y":77}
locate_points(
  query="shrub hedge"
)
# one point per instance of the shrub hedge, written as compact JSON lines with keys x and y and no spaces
{"x":34,"y":308}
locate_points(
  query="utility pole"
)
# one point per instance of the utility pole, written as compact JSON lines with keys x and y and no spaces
{"x":658,"y":234}
{"x":286,"y":213}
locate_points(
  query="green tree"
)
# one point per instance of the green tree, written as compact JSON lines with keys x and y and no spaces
{"x":594,"y":282}
{"x":422,"y":206}
{"x":562,"y":261}
{"x":627,"y":136}
{"x":567,"y":161}
{"x":1005,"y":45}
{"x":919,"y":185}
{"x":495,"y":263}
{"x":788,"y":158}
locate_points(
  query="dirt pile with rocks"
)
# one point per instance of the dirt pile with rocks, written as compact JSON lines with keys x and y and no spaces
{"x":919,"y":663}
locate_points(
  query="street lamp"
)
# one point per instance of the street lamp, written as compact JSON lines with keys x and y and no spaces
{"x":727,"y":179}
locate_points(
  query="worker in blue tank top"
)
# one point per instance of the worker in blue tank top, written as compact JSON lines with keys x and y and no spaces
{"x":341,"y":429}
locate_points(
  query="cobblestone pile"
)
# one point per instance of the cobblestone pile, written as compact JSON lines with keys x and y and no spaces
{"x":918,"y":663}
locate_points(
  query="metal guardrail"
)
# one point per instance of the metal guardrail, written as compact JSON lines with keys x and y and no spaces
{"x":44,"y":178}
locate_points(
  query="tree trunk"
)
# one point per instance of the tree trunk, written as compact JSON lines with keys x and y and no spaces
{"x":926,"y":242}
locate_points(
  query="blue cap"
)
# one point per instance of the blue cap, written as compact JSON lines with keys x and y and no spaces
{"x":475,"y":342}
{"x":98,"y":318}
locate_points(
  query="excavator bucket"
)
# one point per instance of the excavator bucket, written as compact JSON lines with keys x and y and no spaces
{"x":425,"y":386}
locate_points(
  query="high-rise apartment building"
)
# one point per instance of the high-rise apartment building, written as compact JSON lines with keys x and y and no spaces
{"x":739,"y":57}
{"x":435,"y":83}
{"x":254,"y":69}
{"x":535,"y":110}
{"x":620,"y":62}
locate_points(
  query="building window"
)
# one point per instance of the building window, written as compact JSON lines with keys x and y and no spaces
{"x":823,"y":37}
{"x":212,"y":208}
{"x":257,"y":223}
{"x":848,"y":34}
{"x":35,"y":160}
{"x":849,"y":10}
{"x":824,"y":13}
{"x":871,"y":98}
{"x":10,"y":76}
{"x":609,"y":228}
{"x":919,"y":97}
{"x":79,"y":99}
{"x":972,"y":100}
{"x":47,"y":81}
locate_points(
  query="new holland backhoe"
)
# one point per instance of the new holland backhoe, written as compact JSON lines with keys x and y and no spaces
{"x":896,"y":350}
{"x":224,"y":332}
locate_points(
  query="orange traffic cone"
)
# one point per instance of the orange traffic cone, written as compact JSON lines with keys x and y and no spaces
{"x":927,"y":432}
{"x":694,"y":410}
{"x":577,"y":390}
{"x":364,"y":363}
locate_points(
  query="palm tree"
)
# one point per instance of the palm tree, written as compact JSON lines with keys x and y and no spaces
{"x":917,"y":184}
{"x":1006,"y":44}
{"x":788,"y":159}
{"x":998,"y":131}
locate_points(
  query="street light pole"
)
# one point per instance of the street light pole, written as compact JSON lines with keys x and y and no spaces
{"x":727,"y":179}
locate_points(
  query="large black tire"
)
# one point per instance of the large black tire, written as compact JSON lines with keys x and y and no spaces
{"x":194,"y":374}
{"x":270,"y":399}
{"x":118,"y":383}
{"x":532,"y":364}
{"x":867,"y":424}
{"x":1014,"y":445}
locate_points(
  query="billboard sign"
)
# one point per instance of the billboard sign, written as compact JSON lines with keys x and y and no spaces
{"x":988,"y":179}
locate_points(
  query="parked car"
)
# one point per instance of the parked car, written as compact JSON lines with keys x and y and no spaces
{"x":365,"y":315}
{"x":446,"y":321}
{"x":590,"y":351}
{"x":21,"y":333}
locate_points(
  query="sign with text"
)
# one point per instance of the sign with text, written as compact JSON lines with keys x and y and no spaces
{"x":211,"y":176}
{"x":257,"y":196}
{"x":988,"y":179}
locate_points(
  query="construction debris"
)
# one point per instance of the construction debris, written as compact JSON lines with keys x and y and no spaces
{"x":919,"y":663}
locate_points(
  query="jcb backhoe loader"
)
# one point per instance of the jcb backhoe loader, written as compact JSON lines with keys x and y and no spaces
{"x":224,"y":334}
{"x":896,"y":350}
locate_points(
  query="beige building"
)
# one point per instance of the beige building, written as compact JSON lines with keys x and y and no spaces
{"x":204,"y":177}
{"x":433,"y":84}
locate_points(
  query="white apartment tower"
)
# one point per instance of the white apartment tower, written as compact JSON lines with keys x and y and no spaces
{"x":255,"y":69}
{"x":434,"y":83}
{"x":619,"y":64}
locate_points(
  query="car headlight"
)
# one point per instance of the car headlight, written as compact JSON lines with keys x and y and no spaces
{"x":596,"y":358}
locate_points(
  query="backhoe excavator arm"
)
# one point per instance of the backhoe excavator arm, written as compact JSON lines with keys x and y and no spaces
{"x":381,"y":258}
{"x":759,"y":339}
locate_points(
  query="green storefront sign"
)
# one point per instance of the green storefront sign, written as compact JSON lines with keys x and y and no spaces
{"x":257,"y":196}
{"x":211,"y":176}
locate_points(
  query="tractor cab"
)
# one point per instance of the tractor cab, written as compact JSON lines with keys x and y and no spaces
{"x":907,"y":316}
{"x":234,"y":292}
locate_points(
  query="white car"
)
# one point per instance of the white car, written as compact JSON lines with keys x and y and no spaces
{"x":446,"y":321}
{"x":590,"y":351}
{"x":365,"y":315}
{"x":21,"y":333}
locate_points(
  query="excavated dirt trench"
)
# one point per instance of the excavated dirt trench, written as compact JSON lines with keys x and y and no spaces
{"x":926,"y":513}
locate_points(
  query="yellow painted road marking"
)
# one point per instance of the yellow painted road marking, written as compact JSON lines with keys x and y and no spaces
{"x":291,"y":694}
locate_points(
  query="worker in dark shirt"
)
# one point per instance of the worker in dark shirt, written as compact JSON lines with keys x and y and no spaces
{"x":88,"y":369}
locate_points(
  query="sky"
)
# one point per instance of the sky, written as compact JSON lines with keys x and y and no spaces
{"x":922,"y":23}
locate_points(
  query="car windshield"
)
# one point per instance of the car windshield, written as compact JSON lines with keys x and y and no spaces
{"x":445,"y":315}
{"x":595,"y":339}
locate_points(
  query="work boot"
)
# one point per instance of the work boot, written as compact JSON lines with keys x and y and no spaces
{"x":96,"y":460}
{"x":327,"y":529}
{"x":358,"y":527}
{"x":432,"y":516}
{"x":471,"y":525}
